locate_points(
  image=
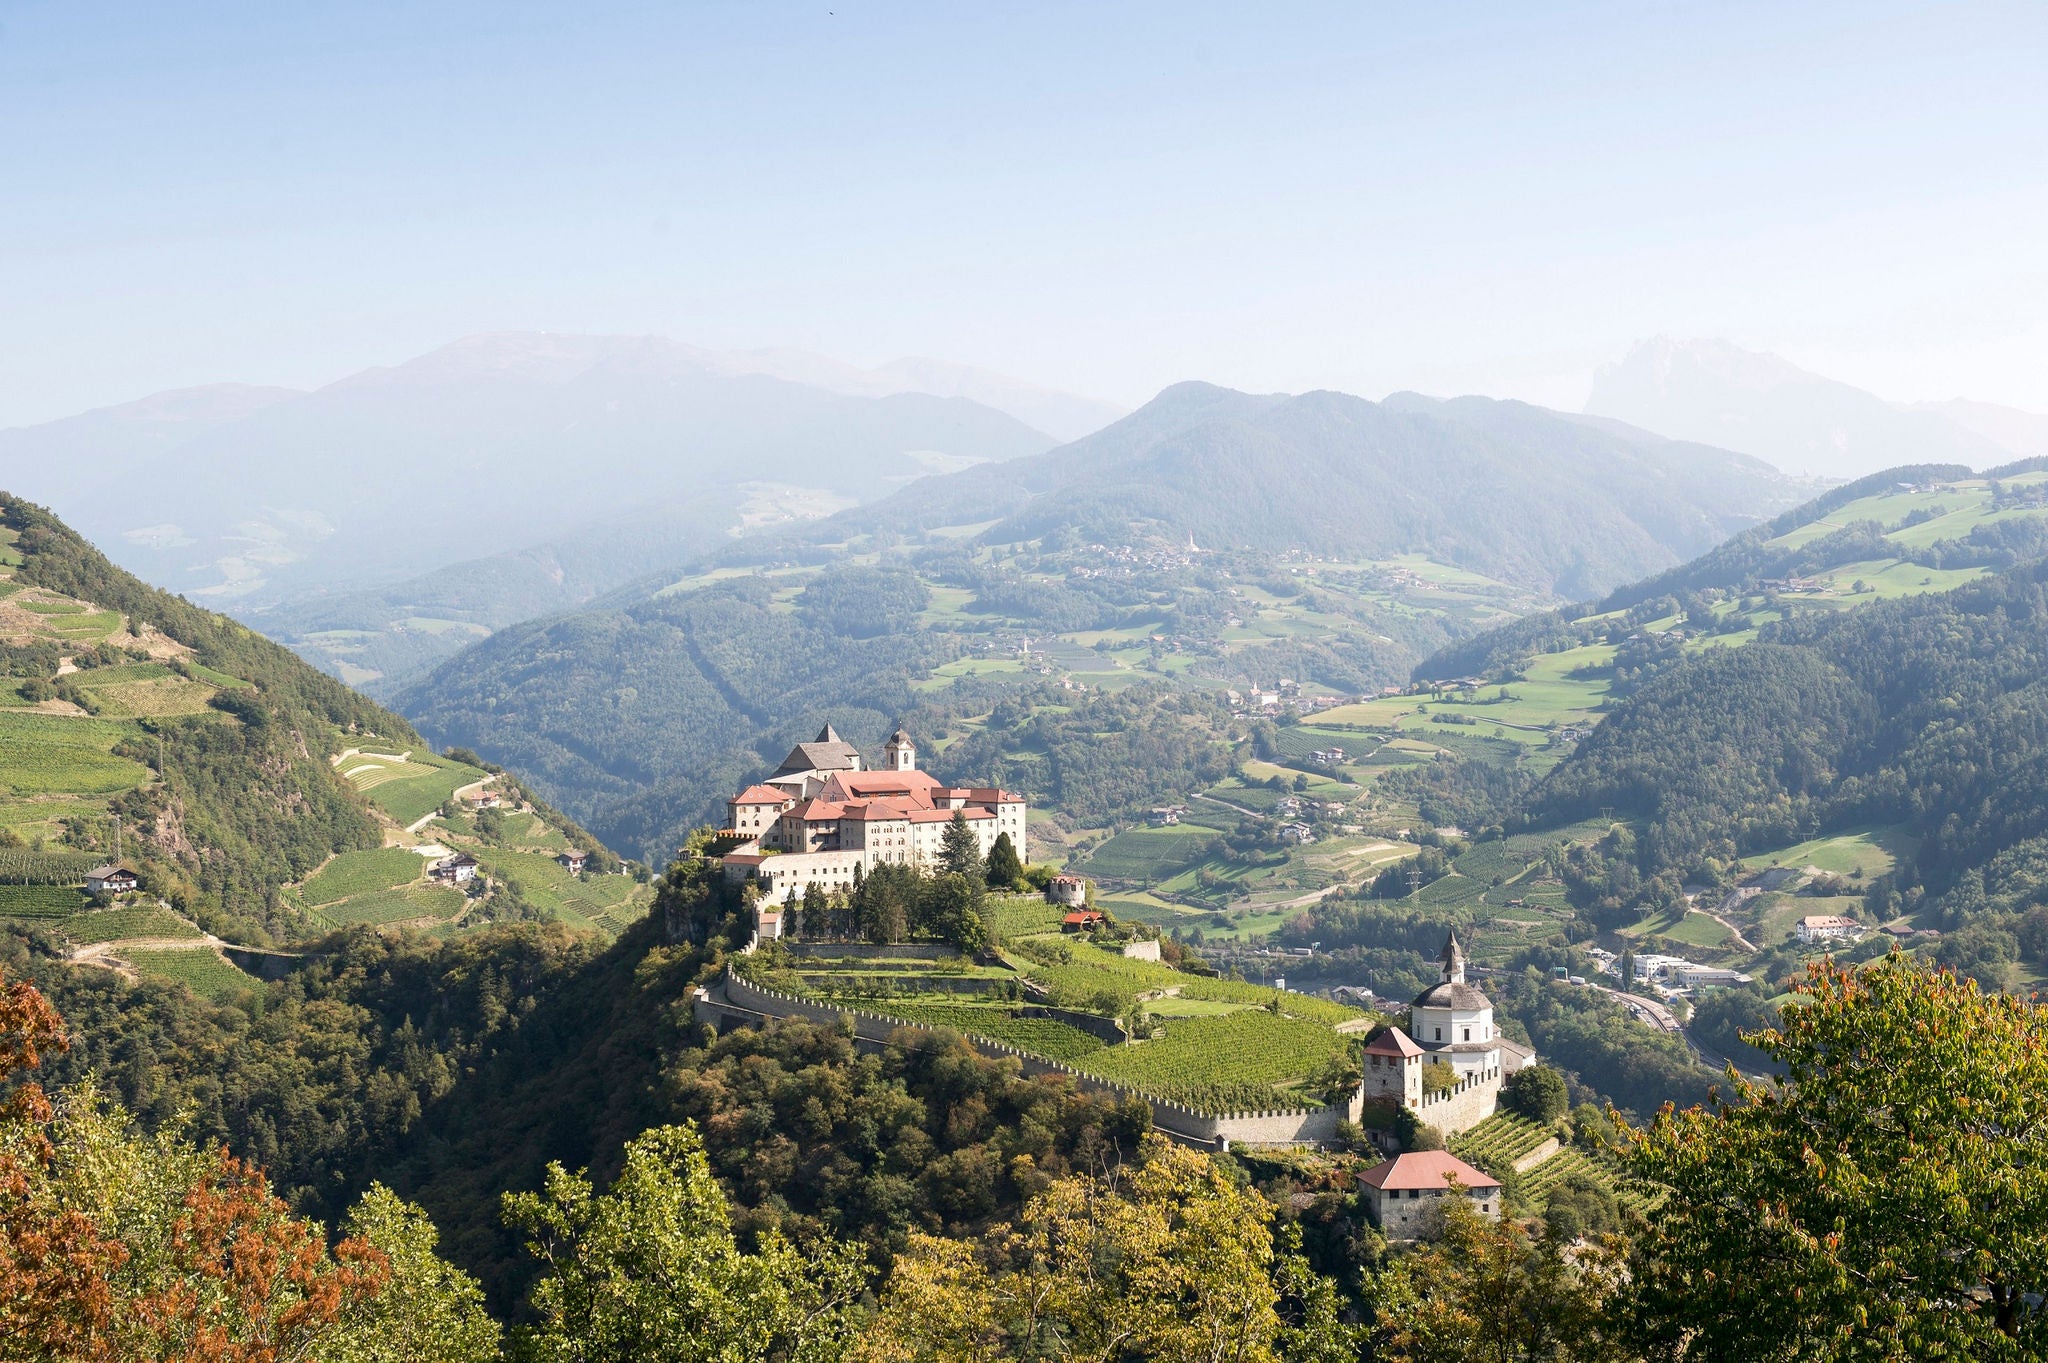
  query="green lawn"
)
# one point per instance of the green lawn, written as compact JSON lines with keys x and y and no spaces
{"x":1872,"y":851}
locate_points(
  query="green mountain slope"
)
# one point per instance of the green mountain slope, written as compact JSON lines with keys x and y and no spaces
{"x":260,"y":801}
{"x":1213,"y":540}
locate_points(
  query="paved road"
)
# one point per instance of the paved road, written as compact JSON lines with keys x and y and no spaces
{"x":1657,"y":1015}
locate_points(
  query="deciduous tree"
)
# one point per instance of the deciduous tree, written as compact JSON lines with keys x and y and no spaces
{"x":1887,"y":1199}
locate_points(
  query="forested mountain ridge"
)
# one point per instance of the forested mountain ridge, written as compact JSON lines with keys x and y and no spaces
{"x":258,"y":798}
{"x":1211,"y":539}
{"x":1936,"y":516}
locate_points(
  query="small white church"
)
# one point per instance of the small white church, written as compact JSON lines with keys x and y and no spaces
{"x":1451,"y":1022}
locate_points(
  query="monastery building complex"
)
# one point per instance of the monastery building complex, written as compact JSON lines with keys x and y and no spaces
{"x":822,"y":814}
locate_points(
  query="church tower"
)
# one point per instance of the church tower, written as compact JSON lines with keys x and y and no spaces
{"x":899,"y":753}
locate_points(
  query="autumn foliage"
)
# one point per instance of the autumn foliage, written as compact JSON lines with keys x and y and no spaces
{"x":113,"y":1247}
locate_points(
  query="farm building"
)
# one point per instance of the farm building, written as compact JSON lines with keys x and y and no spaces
{"x":1082,"y":920}
{"x":111,"y":879}
{"x":459,"y":869}
{"x":1406,"y":1193}
{"x":574,"y":860}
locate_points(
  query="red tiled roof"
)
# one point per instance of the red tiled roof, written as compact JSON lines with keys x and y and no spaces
{"x":818,"y":811}
{"x":761,"y":795}
{"x":1425,"y":1169}
{"x":1393,"y":1041}
{"x":946,"y":815}
{"x":1083,"y":916}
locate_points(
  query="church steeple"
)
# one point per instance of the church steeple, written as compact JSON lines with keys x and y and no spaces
{"x":1453,"y":959}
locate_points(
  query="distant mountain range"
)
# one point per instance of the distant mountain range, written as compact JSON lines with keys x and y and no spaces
{"x":402,"y":511}
{"x":1758,"y":403}
{"x":1555,"y":503}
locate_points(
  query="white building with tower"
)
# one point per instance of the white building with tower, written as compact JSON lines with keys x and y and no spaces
{"x":1451,"y":1022}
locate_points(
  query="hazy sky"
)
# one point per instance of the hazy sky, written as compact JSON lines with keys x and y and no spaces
{"x":1102,"y":197}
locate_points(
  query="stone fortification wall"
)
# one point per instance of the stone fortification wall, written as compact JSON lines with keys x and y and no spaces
{"x":1293,"y":1127}
{"x":970,"y":985}
{"x":1459,"y":1109}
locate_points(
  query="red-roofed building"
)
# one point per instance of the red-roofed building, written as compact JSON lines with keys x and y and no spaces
{"x":754,"y":810}
{"x":1082,"y":920}
{"x":832,"y":819}
{"x":1407,"y":1192}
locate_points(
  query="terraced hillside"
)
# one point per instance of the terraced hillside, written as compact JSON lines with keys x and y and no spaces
{"x":260,"y":802}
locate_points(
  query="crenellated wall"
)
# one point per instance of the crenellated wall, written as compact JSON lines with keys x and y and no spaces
{"x":1460,"y":1108}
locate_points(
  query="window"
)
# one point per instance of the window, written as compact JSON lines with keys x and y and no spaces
{"x":1439,"y":1034}
{"x":1468,"y":1034}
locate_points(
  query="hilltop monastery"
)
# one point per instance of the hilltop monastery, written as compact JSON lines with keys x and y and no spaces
{"x":822,"y":814}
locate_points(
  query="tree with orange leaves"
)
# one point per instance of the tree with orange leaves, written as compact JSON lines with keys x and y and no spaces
{"x":118,"y":1246}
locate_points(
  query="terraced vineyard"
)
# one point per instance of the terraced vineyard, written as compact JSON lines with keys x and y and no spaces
{"x":203,"y":971}
{"x":1243,"y":1061}
{"x":1496,"y":1143}
{"x":1041,"y":1036}
{"x":40,"y":901}
{"x":127,"y":923}
{"x":408,"y":787}
{"x":358,"y":873}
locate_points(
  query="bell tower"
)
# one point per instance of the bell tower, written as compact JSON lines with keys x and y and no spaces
{"x":899,"y":753}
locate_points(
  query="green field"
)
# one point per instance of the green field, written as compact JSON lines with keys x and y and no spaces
{"x":203,"y":971}
{"x":1870,"y":853}
{"x":357,"y":873}
{"x":1149,"y":854}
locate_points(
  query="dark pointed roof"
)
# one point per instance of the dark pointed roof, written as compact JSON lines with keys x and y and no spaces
{"x":899,"y":737}
{"x":827,"y":752}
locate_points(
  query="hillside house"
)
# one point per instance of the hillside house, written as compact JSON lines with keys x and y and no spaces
{"x":1083,"y":920}
{"x":486,"y":799}
{"x":111,"y":879}
{"x":1406,"y":1193}
{"x":574,"y":860}
{"x":1828,"y":927}
{"x":459,"y":869}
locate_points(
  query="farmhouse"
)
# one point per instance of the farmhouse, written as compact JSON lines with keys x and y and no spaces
{"x":574,"y":860}
{"x":111,"y":879}
{"x":822,"y":816}
{"x":1407,"y":1192}
{"x":1082,"y":920}
{"x":459,"y":869}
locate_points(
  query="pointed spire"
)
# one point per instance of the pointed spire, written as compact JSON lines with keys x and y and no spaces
{"x":828,"y":734}
{"x":1453,"y":959}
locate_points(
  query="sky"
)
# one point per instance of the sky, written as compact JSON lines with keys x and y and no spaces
{"x":1105,"y":198}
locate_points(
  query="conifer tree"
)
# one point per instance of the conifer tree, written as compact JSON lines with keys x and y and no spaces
{"x":1005,"y":867}
{"x":960,"y":851}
